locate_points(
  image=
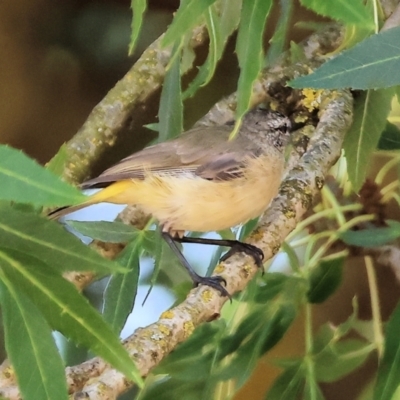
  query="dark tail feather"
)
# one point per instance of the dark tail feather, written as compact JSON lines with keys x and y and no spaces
{"x":62,"y":211}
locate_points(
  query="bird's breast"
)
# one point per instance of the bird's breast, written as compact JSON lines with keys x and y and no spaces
{"x":187,"y":202}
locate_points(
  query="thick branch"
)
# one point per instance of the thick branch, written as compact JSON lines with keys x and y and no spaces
{"x":148,"y":346}
{"x":119,"y":109}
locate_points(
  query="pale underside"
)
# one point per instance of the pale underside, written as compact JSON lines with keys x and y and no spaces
{"x":200,"y":182}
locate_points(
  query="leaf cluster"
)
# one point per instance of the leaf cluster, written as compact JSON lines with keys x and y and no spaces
{"x":35,"y":298}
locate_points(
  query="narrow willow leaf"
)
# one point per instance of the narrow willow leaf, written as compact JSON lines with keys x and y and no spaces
{"x":389,"y":366}
{"x":57,"y":163}
{"x":30,"y":346}
{"x":247,"y":228}
{"x":293,"y":258}
{"x":166,"y":388}
{"x":121,"y":289}
{"x":188,"y":53}
{"x":390,"y":138}
{"x":185,"y":18}
{"x":260,"y":331}
{"x":371,"y":111}
{"x":349,"y":12}
{"x":245,"y":330}
{"x":163,"y":257}
{"x":340,"y":359}
{"x":110,"y":232}
{"x":185,"y":381}
{"x":49,"y":242}
{"x":23,"y":180}
{"x":138,"y":9}
{"x":191,"y":353}
{"x":312,"y":390}
{"x":275,"y":283}
{"x":373,"y":237}
{"x":353,"y":35}
{"x":324,"y":279}
{"x":206,"y":71}
{"x":288,"y":385}
{"x":229,"y":11}
{"x":278,"y":40}
{"x":371,"y":64}
{"x":249,"y":48}
{"x":219,"y":31}
{"x":65,"y":309}
{"x":171,"y":107}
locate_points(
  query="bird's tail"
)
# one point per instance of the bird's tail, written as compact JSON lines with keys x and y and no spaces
{"x":63,"y":211}
{"x":118,"y":193}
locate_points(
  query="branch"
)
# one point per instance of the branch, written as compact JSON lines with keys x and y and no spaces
{"x":121,"y":109}
{"x":148,"y":346}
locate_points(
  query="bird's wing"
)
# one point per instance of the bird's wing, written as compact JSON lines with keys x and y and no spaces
{"x":205,"y":152}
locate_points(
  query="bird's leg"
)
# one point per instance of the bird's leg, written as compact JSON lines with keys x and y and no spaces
{"x":212,"y":281}
{"x":235,"y":247}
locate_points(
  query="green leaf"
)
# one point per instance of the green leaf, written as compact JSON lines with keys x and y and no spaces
{"x":184,"y":381}
{"x":30,"y":346}
{"x":292,"y":256}
{"x":192,"y":352}
{"x":390,"y":138}
{"x":164,"y":261}
{"x":229,"y":11}
{"x":260,"y":331}
{"x":312,"y":390}
{"x":288,"y":385}
{"x":353,"y":35}
{"x":278,"y":40}
{"x":138,"y":9}
{"x":49,"y":242}
{"x":249,"y":48}
{"x":121,"y":289}
{"x":371,"y":111}
{"x":389,"y":367}
{"x":340,"y":359}
{"x":65,"y":309}
{"x":166,"y":388}
{"x":373,"y":237}
{"x":206,"y":71}
{"x":57,"y":163}
{"x":349,"y":12}
{"x":185,"y":18}
{"x":171,"y":107}
{"x":219,"y":30}
{"x":247,"y":228}
{"x":324,"y":279}
{"x":23,"y":180}
{"x":275,"y":283}
{"x":110,"y":232}
{"x":371,"y":64}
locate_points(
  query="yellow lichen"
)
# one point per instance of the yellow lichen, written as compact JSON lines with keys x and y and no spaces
{"x":167,"y":315}
{"x":164,"y":330}
{"x":206,"y":295}
{"x":312,"y":99}
{"x":188,"y":328}
{"x":219,"y":268}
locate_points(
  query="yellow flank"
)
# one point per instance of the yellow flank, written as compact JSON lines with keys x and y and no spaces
{"x":191,"y":203}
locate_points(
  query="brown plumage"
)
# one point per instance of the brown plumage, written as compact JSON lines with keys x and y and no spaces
{"x":200,"y":181}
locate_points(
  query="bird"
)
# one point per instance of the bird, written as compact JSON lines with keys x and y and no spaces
{"x":201,"y":181}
